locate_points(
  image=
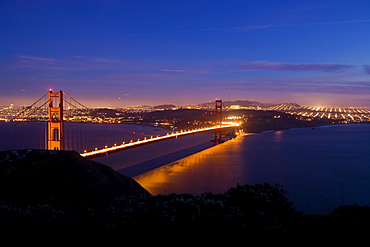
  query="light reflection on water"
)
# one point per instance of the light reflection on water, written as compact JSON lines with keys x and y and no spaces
{"x":209,"y":168}
{"x":320,"y":168}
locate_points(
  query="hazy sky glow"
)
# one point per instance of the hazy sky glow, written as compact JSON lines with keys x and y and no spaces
{"x":128,"y":53}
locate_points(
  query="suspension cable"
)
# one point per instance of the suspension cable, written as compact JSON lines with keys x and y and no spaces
{"x":75,"y":101}
{"x":115,"y":126}
{"x":21,"y":121}
{"x":24,"y":111}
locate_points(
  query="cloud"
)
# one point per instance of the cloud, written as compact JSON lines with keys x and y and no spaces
{"x":296,"y":85}
{"x":97,"y":59}
{"x":144,"y":78}
{"x":190,"y":71}
{"x":74,"y":63}
{"x":172,"y":70}
{"x":265,"y":65}
{"x":367,"y":69}
{"x":247,"y":28}
{"x":34,"y":58}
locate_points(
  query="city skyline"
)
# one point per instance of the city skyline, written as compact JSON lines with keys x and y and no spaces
{"x":129,"y":53}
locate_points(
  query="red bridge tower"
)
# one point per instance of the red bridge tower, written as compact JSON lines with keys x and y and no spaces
{"x":55,"y":139}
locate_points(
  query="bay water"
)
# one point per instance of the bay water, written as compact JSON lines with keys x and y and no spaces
{"x":321,"y":168}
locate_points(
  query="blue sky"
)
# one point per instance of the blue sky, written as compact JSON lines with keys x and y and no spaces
{"x":128,"y":53}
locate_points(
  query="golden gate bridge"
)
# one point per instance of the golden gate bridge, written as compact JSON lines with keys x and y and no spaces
{"x":52,"y":113}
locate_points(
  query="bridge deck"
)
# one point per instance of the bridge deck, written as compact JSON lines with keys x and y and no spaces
{"x":116,"y":148}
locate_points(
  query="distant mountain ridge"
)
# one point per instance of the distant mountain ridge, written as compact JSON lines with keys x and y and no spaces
{"x":247,"y":103}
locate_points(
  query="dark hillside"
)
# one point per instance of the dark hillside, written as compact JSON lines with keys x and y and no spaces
{"x":254,"y":120}
{"x":182,"y":118}
{"x":37,"y":176}
{"x":59,"y":197}
{"x":259,"y":121}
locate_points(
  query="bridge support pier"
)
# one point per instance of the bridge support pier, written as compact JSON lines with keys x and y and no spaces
{"x":55,"y":132}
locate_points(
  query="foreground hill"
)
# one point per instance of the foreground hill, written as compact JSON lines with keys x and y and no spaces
{"x":59,"y":197}
{"x":35,"y":176}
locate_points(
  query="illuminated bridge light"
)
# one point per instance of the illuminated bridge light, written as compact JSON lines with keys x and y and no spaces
{"x":105,"y":150}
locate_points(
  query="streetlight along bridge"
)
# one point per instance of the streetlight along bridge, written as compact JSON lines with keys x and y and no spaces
{"x":116,"y":148}
{"x":52,"y":107}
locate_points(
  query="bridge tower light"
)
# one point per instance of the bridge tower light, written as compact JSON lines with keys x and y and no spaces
{"x":55,"y":132}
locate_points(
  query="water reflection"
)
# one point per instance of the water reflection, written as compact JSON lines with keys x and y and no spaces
{"x":320,"y":168}
{"x":206,"y":171}
{"x":278,"y":135}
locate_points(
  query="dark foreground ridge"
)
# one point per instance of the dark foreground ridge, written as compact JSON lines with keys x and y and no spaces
{"x":59,"y":197}
{"x":61,"y":176}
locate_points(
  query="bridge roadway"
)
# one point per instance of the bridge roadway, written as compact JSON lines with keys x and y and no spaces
{"x":138,"y":160}
{"x":117,"y":148}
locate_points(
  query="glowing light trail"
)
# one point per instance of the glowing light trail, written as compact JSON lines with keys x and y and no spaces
{"x":153,"y":139}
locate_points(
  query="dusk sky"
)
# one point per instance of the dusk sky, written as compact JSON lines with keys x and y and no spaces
{"x":129,"y":53}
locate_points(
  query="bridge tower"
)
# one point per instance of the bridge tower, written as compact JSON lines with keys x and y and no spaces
{"x":218,"y":116}
{"x":55,"y":133}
